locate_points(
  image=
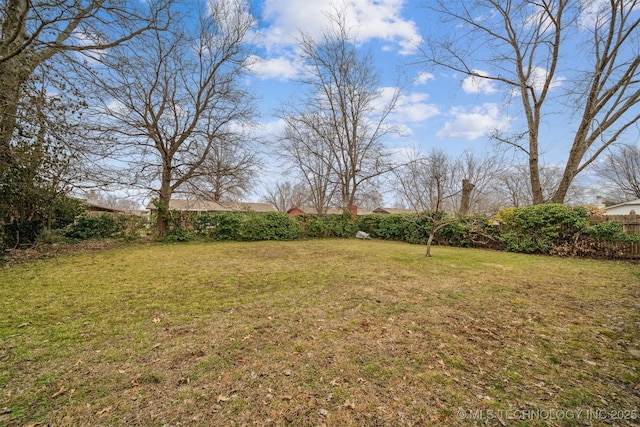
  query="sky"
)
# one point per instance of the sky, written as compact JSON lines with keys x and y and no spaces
{"x":437,"y":109}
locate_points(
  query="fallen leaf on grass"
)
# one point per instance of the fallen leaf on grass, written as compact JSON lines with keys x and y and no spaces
{"x":222,"y":398}
{"x":60,"y":392}
{"x":104,"y":411}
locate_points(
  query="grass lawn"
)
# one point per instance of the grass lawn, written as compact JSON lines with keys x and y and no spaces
{"x":333,"y":332}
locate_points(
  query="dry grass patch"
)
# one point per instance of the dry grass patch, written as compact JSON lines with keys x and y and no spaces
{"x":322,"y":332}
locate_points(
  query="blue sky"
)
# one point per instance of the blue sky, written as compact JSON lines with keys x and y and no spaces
{"x":436,"y":109}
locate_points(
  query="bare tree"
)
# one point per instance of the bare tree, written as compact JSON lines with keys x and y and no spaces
{"x":620,"y":170}
{"x":32,"y":33}
{"x":370,"y":196}
{"x":512,"y":184}
{"x":427,"y":182}
{"x":476,"y":174}
{"x":227,"y":171}
{"x":467,"y":181}
{"x":524,"y":45}
{"x":173,"y":96}
{"x":437,"y":174}
{"x":285,"y":195}
{"x":344,"y":111}
{"x":514,"y":187}
{"x":40,"y":99}
{"x":309,"y":157}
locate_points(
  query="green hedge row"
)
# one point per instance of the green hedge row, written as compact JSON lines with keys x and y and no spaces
{"x":459,"y":231}
{"x":545,"y":229}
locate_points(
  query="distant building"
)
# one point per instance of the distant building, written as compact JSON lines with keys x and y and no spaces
{"x":94,"y":207}
{"x":209,"y":206}
{"x":624,"y":208}
{"x":295,"y":210}
{"x":388,"y":211}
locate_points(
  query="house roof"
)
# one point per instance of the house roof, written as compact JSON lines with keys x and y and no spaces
{"x":250,"y":207}
{"x":393,"y":211}
{"x":330,"y":211}
{"x":629,"y":203}
{"x":99,"y":207}
{"x":211,"y":206}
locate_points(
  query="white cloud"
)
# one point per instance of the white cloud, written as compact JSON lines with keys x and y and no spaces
{"x":281,"y":68}
{"x":473,"y":124}
{"x":268,"y":131}
{"x":369,"y":19}
{"x":538,"y":77}
{"x":414,"y":108}
{"x":85,"y":38}
{"x":478,"y":85}
{"x":591,"y":11}
{"x":405,"y":154}
{"x":410,"y":107}
{"x":423,"y":78}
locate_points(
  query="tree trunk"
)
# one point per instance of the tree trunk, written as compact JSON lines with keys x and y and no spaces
{"x":563,"y":188}
{"x":570,"y":170}
{"x":162,"y":220}
{"x":432,"y":233}
{"x":465,"y":202}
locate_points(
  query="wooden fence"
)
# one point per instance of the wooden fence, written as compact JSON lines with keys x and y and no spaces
{"x":630,"y":225}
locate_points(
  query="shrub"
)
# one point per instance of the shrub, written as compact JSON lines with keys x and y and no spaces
{"x":394,"y":227}
{"x":280,"y":226}
{"x":368,"y":223}
{"x":611,"y":231}
{"x":253,"y":228}
{"x":177,"y":235}
{"x":455,"y":233}
{"x":224,"y":226}
{"x":418,"y":228}
{"x":93,"y":227}
{"x":267,"y":226}
{"x":20,"y":232}
{"x":65,"y":212}
{"x":538,"y":228}
{"x":339,"y":225}
{"x":132,"y":227}
{"x":311,"y":226}
{"x":204,"y":225}
{"x":52,"y":237}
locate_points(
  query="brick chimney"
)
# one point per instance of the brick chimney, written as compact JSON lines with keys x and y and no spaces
{"x":354,"y":210}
